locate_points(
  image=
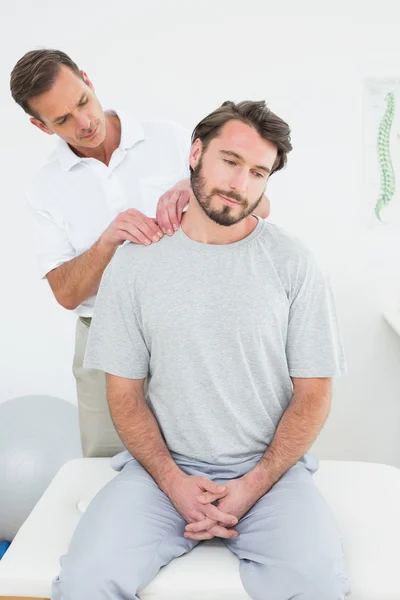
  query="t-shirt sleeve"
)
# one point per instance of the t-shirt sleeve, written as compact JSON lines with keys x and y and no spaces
{"x":313,"y":346}
{"x":116,"y":344}
{"x":52,"y":245}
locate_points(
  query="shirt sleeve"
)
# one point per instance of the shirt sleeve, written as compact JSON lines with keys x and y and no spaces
{"x":52,"y":245}
{"x":116,"y":343}
{"x":183,"y":140}
{"x":186,"y":146}
{"x":313,"y":346}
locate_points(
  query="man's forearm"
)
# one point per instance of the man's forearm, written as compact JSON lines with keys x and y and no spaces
{"x":76,"y":280}
{"x":295,"y":434}
{"x":141,"y":435}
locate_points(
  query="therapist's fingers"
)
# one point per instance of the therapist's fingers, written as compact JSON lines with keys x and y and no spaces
{"x":146,"y":225}
{"x":182,"y":202}
{"x":170,"y":208}
{"x":172,"y":212}
{"x":144,"y":234}
{"x":162,"y":214}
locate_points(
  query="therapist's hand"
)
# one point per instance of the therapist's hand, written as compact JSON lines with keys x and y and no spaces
{"x":264,"y":208}
{"x":170,"y":207}
{"x":133,"y":226}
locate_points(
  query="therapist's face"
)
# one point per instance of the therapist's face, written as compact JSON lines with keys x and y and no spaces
{"x":71,"y":110}
{"x":229,"y":177}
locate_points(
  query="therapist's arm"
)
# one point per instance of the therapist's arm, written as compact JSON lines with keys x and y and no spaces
{"x":76,"y":280}
{"x":79,"y":278}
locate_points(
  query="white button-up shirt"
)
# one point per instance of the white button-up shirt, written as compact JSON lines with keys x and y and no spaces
{"x":74,"y":199}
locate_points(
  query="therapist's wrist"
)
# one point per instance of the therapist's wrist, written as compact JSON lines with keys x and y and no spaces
{"x":106,"y":246}
{"x":183,"y":185}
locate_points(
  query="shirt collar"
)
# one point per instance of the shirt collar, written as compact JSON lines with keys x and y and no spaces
{"x":131,"y":133}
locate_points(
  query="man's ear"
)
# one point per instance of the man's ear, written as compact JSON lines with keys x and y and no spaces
{"x":195,"y":153}
{"x":87,"y":80}
{"x":40,"y":125}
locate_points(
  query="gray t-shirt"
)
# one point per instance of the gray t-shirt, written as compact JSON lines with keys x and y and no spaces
{"x":220,"y":330}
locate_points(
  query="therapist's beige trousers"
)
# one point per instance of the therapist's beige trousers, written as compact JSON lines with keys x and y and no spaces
{"x":98,"y":434}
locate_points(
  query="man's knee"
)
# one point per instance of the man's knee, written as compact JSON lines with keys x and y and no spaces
{"x":322,"y":585}
{"x":88,"y":579}
{"x":78,"y":582}
{"x":300,"y":582}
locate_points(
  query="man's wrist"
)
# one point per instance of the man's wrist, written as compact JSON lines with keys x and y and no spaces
{"x":170,"y":477}
{"x":258,"y":481}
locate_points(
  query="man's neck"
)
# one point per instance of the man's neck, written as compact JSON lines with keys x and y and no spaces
{"x":104,"y":151}
{"x":200,"y":228}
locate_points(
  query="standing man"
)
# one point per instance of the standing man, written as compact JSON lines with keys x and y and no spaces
{"x":235,"y":327}
{"x":107,"y":173}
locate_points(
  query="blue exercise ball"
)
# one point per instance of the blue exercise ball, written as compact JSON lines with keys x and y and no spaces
{"x":38,"y":434}
{"x":3,"y":548}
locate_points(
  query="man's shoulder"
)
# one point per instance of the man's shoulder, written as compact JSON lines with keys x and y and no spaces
{"x":282,"y":242}
{"x":152,"y":128}
{"x":44,"y":178}
{"x":164,"y":125}
{"x":167,"y":130}
{"x":291,"y":256}
{"x":134,"y":257}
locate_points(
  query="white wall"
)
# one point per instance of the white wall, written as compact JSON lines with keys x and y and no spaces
{"x":180,"y":60}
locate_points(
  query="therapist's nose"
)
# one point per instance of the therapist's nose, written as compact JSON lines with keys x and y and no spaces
{"x":83,"y":123}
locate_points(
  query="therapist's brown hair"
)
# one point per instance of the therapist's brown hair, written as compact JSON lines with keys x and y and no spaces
{"x":35,"y":73}
{"x":257,"y":115}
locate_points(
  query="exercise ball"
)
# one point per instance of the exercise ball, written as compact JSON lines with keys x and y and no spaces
{"x":38,"y":434}
{"x":3,"y":548}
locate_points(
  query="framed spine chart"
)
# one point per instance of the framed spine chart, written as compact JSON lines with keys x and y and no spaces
{"x":382,"y":151}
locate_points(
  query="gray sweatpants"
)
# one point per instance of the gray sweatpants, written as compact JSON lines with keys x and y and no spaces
{"x":288,"y":545}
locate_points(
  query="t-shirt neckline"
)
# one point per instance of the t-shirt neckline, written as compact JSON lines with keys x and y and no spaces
{"x":221,"y":247}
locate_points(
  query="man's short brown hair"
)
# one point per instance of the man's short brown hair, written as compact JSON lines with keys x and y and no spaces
{"x":257,"y":115}
{"x":35,"y":73}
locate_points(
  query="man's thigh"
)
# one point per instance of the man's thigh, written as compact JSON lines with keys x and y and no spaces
{"x":289,"y":543}
{"x":128,"y":532}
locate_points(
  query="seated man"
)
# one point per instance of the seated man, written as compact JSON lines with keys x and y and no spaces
{"x":236,"y":329}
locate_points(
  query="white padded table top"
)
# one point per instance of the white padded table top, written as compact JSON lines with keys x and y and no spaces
{"x":365,"y":498}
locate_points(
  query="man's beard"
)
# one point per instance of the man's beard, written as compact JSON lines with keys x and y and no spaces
{"x":223,"y":216}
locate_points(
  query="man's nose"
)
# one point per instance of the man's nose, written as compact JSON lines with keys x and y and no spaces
{"x":239,"y":182}
{"x":83,"y":121}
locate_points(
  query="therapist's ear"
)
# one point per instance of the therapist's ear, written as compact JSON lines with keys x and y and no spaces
{"x":40,"y":125}
{"x":87,"y":80}
{"x":195,"y":153}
